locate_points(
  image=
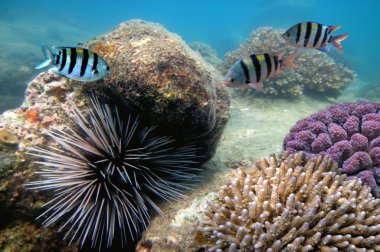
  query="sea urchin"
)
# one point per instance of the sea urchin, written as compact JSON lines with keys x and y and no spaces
{"x":106,"y":175}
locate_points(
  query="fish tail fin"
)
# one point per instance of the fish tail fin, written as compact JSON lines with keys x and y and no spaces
{"x":48,"y":57}
{"x":334,"y":28}
{"x":288,"y":62}
{"x":337,"y":39}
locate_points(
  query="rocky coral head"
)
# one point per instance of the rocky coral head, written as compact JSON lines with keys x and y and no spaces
{"x":156,"y":74}
{"x":353,"y":133}
{"x":293,"y":204}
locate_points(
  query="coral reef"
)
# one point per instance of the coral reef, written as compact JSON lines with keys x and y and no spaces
{"x":113,"y":168}
{"x":294,"y":204}
{"x":348,"y":132}
{"x":245,"y":139}
{"x":208,"y":53}
{"x":317,"y":72}
{"x":154,"y":74}
{"x":157,"y":75}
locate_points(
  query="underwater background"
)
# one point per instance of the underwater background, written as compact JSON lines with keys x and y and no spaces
{"x":25,"y":25}
{"x":187,"y":147}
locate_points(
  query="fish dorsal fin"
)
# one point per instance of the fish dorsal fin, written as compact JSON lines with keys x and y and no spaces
{"x":65,"y":47}
{"x":58,"y":48}
{"x":334,"y":28}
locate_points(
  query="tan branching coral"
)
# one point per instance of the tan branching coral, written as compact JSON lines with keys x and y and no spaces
{"x":298,"y":204}
{"x":317,"y":72}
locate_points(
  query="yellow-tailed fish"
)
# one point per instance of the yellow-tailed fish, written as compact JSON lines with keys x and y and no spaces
{"x":251,"y":71}
{"x":313,"y":35}
{"x":75,"y":63}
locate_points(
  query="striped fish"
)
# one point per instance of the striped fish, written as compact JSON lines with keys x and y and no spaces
{"x":313,"y":35}
{"x":251,"y":71}
{"x":75,"y":63}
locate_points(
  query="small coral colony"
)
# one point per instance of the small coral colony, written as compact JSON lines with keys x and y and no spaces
{"x":301,"y":201}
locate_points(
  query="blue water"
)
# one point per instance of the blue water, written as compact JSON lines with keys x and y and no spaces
{"x":222,"y":24}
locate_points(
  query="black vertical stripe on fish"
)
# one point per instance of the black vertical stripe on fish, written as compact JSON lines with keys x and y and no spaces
{"x":84,"y":62}
{"x":245,"y":70}
{"x":329,"y":30}
{"x":317,"y":35}
{"x":275,"y":63}
{"x":269,"y":64}
{"x":324,"y":38}
{"x":95,"y":63}
{"x":73,"y":59}
{"x":57,"y":57}
{"x":257,"y":66}
{"x":307,"y":34}
{"x":298,"y":33}
{"x":64,"y":56}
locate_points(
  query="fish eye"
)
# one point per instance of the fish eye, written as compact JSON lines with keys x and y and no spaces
{"x":107,"y":68}
{"x":232,"y":80}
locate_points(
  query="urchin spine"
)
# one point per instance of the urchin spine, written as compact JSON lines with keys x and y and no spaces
{"x":103,"y":173}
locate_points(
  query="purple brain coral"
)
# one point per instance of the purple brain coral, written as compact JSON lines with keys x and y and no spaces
{"x":349,"y":133}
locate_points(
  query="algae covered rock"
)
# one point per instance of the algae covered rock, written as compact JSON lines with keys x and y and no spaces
{"x":21,"y":128}
{"x":155,"y":74}
{"x":318,"y":73}
{"x":27,"y":237}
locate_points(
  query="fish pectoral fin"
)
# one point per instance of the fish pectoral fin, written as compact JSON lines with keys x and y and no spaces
{"x":259,"y":87}
{"x":324,"y":48}
{"x":48,"y":57}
